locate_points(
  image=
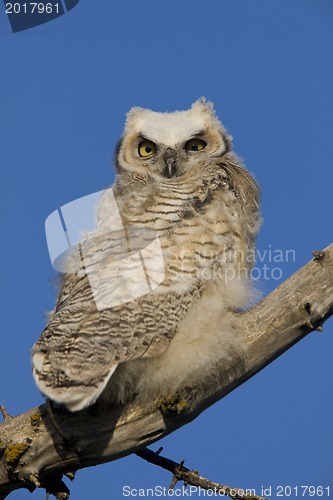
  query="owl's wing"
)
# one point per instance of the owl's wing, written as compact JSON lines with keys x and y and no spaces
{"x":247,"y":193}
{"x":81,"y":347}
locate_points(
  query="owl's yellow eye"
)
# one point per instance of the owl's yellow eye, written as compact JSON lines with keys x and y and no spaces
{"x":195,"y":145}
{"x":146,"y":148}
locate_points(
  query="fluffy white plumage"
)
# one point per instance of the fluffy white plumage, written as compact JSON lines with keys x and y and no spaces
{"x":177,"y":176}
{"x":176,"y":127}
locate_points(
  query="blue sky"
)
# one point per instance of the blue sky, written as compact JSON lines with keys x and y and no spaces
{"x":64,"y":90}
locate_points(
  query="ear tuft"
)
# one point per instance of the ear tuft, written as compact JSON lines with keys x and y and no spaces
{"x":204,"y":106}
{"x":134,"y":110}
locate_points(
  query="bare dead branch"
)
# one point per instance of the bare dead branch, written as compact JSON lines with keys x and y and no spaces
{"x":181,"y":473}
{"x":32,"y":451}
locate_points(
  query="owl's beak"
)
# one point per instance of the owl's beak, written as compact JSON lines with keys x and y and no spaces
{"x":170,"y":163}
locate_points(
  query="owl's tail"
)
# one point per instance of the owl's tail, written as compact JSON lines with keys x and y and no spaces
{"x":60,"y":386}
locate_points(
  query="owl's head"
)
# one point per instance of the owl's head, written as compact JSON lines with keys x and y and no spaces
{"x":168,"y":145}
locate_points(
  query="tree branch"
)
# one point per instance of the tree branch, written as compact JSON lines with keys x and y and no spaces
{"x":181,"y":473}
{"x":33,"y":452}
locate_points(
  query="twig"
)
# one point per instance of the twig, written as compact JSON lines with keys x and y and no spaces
{"x":5,"y":414}
{"x":181,"y":473}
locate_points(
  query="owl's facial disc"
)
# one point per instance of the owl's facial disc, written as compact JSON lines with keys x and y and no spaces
{"x":170,"y":163}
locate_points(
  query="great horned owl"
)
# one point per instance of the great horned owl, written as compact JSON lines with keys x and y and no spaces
{"x":177,"y":176}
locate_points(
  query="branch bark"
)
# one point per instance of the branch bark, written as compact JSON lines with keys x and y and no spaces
{"x":33,"y":453}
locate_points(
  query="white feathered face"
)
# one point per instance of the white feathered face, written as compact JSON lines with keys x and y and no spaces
{"x":169,"y":145}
